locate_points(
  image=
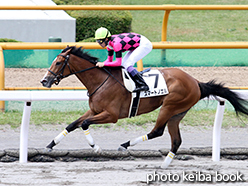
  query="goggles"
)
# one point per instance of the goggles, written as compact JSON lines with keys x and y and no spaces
{"x":100,"y":41}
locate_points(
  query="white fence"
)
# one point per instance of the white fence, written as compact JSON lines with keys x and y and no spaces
{"x":29,"y":96}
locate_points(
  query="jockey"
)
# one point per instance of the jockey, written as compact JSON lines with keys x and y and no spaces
{"x":137,"y":47}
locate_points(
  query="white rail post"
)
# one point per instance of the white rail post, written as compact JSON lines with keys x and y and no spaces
{"x":217,"y":130}
{"x":24,"y":133}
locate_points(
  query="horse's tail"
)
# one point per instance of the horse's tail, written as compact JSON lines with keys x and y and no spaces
{"x":212,"y":88}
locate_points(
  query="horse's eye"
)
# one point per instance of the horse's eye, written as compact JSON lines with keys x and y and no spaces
{"x":58,"y":63}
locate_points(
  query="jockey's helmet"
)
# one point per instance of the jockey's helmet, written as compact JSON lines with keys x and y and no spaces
{"x":102,"y":33}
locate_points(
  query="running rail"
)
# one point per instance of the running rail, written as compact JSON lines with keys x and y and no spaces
{"x":156,"y":45}
{"x":29,"y":96}
{"x":90,"y":45}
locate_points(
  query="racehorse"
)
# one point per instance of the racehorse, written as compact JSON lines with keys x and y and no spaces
{"x":109,"y":100}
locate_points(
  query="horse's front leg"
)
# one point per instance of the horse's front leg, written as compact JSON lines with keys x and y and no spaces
{"x":101,"y":118}
{"x":176,"y":140}
{"x":85,"y":121}
{"x":71,"y":127}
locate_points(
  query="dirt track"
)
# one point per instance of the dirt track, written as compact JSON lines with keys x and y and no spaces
{"x":231,"y":76}
{"x":118,"y":173}
{"x":131,"y":172}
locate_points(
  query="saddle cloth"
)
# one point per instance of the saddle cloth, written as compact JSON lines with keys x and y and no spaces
{"x":156,"y":83}
{"x":153,"y":78}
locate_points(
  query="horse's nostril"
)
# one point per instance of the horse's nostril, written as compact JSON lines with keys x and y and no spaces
{"x":43,"y":81}
{"x":46,"y":83}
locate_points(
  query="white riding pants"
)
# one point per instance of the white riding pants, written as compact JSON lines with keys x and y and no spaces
{"x":140,"y":52}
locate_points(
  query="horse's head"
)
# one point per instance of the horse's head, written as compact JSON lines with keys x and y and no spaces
{"x":58,"y":70}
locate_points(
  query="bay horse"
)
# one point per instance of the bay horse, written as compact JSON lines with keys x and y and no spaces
{"x":110,"y":101}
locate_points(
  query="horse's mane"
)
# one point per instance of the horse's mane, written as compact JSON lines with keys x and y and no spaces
{"x":80,"y":53}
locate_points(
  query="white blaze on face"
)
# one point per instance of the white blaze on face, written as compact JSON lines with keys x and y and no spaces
{"x":44,"y":76}
{"x":47,"y":72}
{"x":55,"y":59}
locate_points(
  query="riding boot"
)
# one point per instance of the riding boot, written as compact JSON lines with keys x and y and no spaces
{"x":140,"y":83}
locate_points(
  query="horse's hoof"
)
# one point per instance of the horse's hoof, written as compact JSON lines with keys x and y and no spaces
{"x":164,"y":165}
{"x":97,"y":149}
{"x":47,"y":150}
{"x":121,"y":148}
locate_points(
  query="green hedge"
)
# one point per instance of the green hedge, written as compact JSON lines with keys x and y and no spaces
{"x":88,"y":21}
{"x":8,"y":40}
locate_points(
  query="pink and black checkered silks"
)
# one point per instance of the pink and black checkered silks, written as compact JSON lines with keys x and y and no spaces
{"x":125,"y":41}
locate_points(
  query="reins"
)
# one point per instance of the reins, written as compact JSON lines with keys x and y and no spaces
{"x":60,"y":76}
{"x":89,"y":95}
{"x":114,"y":78}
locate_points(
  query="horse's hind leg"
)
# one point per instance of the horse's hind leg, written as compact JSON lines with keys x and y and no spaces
{"x":174,"y":131}
{"x":157,"y":131}
{"x":151,"y":135}
{"x":173,"y":128}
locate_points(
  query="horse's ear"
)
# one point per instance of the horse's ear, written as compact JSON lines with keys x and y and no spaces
{"x":68,"y":51}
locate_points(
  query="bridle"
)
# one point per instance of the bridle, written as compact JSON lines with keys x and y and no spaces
{"x":59,"y":76}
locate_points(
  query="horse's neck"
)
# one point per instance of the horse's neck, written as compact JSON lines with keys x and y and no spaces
{"x":92,"y":78}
